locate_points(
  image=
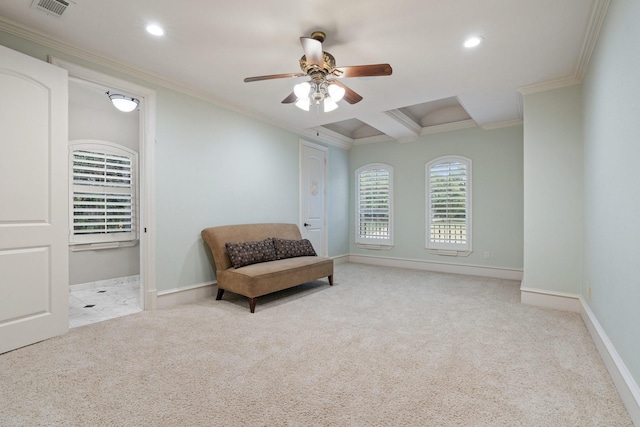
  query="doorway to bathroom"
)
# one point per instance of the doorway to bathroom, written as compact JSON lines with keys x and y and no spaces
{"x":109,"y":276}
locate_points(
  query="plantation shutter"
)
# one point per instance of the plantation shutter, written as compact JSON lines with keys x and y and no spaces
{"x":103,"y":196}
{"x":448,"y":210}
{"x":374,"y":205}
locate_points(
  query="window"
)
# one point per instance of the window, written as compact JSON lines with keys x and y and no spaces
{"x":448,"y":195}
{"x":374,"y":210}
{"x":104,"y":191}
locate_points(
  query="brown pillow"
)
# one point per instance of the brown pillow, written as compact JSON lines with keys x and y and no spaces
{"x":293,"y":248}
{"x":247,"y":253}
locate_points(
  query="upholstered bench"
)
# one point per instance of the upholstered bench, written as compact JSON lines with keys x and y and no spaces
{"x":258,"y":259}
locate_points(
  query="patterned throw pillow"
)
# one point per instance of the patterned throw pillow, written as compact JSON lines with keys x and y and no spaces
{"x":293,"y":248}
{"x":247,"y":253}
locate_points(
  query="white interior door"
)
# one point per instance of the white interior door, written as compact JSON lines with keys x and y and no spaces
{"x":33,"y":201}
{"x":313,"y":174}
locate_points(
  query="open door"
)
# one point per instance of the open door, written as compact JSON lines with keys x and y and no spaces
{"x":34,"y":201}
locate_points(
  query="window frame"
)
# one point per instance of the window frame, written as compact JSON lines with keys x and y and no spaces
{"x":105,"y":240}
{"x":374,"y":242}
{"x":448,"y":248}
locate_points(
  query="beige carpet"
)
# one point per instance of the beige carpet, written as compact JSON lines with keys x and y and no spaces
{"x":383,"y":347}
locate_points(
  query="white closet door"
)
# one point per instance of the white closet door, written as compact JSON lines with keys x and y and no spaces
{"x":313,"y":165}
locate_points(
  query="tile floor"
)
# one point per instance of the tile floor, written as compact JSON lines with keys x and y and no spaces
{"x":102,"y":302}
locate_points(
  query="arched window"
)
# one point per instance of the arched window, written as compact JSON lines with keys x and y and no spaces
{"x":374,"y":205}
{"x":104,"y":188}
{"x":448,"y":211}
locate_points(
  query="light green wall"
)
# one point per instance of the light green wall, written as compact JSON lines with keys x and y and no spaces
{"x":496,"y":184}
{"x":338,"y":203}
{"x":612,"y":181}
{"x":553,"y":190}
{"x":215,"y":167}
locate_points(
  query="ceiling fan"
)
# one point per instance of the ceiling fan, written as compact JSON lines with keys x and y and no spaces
{"x":323,"y":87}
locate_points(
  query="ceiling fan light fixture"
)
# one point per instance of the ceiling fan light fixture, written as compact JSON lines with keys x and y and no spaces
{"x":302,"y":90}
{"x":336,"y":92}
{"x":329,"y":104}
{"x":303,"y":103}
{"x":123,"y":103}
{"x":320,"y":67}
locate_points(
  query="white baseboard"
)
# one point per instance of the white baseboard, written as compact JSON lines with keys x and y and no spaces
{"x":625,"y":384}
{"x":340,"y":259}
{"x":188,"y":294}
{"x":548,"y":299}
{"x":440,"y":267}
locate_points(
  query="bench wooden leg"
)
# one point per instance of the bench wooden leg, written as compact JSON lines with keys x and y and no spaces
{"x":252,"y":305}
{"x":331,"y":280}
{"x":219,"y":296}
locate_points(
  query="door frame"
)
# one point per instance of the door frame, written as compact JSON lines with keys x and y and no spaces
{"x":303,"y":143}
{"x":146,"y":158}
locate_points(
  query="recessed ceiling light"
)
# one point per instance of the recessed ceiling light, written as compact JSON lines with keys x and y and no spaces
{"x":473,"y":41}
{"x":155,"y":29}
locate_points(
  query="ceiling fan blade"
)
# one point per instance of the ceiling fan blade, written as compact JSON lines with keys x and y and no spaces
{"x":290,"y":99}
{"x":312,"y":50}
{"x":349,"y":95}
{"x":363,"y":71}
{"x":273,"y":76}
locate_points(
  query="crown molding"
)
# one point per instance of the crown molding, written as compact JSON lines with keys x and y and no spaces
{"x":505,"y":124}
{"x":549,"y":85}
{"x":372,"y":139}
{"x":446,"y":127}
{"x":596,"y":19}
{"x":328,"y":137}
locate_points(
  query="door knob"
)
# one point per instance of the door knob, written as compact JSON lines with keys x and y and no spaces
{"x":307,"y":225}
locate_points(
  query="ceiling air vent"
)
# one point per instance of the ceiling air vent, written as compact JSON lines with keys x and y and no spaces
{"x":51,"y":7}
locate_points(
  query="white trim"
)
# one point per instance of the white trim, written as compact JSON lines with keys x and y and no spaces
{"x":506,"y":124}
{"x":447,"y":127}
{"x":188,"y":294}
{"x":596,"y":18}
{"x":81,"y":247}
{"x":405,"y":121}
{"x":448,"y":252}
{"x":372,"y":139}
{"x":146,"y":171}
{"x":374,"y":247}
{"x":623,"y":380}
{"x":549,"y":85}
{"x":328,"y":136}
{"x":440,"y":267}
{"x":550,"y":299}
{"x":340,"y":259}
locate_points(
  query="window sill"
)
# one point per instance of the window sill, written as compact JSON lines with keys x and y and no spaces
{"x":374,"y":247}
{"x":79,"y":247}
{"x":448,"y":252}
